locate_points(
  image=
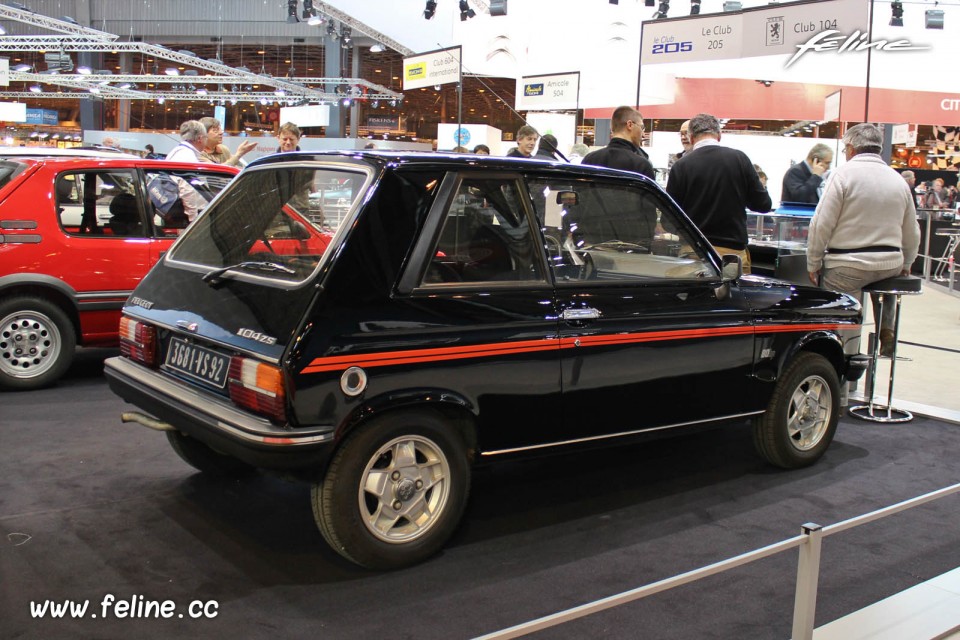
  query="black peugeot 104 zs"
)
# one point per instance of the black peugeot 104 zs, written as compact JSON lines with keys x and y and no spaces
{"x":376,"y":323}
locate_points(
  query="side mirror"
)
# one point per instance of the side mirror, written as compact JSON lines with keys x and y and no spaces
{"x":731,"y":268}
{"x":568,"y":198}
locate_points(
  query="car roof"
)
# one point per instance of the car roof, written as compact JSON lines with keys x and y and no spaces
{"x":63,"y":163}
{"x":56,"y":152}
{"x":448,"y":161}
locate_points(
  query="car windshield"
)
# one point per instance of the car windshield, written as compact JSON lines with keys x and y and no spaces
{"x":272,"y":223}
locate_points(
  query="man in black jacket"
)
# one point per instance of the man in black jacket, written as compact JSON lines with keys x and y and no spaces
{"x":623,"y":151}
{"x":715,"y":185}
{"x":802,"y":181}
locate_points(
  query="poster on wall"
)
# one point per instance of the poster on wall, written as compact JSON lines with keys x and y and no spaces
{"x":558,"y":91}
{"x":432,"y":68}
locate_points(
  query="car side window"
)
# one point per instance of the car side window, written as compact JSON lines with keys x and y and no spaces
{"x":100,"y":203}
{"x":596,"y":231}
{"x":485,"y":237}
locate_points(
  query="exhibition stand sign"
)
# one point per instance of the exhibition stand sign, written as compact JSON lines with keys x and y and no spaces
{"x":559,"y":91}
{"x":432,"y":68}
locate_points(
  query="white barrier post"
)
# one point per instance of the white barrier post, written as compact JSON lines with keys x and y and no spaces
{"x":808,"y":573}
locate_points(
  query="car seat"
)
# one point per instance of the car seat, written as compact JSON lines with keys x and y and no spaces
{"x":125,"y":217}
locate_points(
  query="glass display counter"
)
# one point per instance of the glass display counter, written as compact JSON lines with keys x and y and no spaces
{"x":778,"y":242}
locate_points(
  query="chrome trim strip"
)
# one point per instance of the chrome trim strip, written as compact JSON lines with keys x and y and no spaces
{"x":229,"y":419}
{"x":619,"y":435}
{"x":100,"y":295}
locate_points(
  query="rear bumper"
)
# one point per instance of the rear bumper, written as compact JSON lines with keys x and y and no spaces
{"x":217,"y":422}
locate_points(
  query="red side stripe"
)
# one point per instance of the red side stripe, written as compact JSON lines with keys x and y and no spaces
{"x":439,"y":354}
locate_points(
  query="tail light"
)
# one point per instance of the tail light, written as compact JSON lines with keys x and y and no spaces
{"x":259,"y":387}
{"x":138,"y":341}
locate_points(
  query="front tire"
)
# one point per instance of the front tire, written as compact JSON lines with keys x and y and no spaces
{"x":394,"y":491}
{"x":37,"y":343}
{"x":202,"y":458}
{"x":801,"y":419}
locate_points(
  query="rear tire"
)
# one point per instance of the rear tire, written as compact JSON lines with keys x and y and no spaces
{"x":37,"y":343}
{"x":801,"y":419}
{"x":394,"y":491}
{"x":202,"y":458}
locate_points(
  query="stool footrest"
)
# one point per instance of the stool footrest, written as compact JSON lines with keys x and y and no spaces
{"x":872,"y":413}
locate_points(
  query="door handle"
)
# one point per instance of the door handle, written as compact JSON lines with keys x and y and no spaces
{"x":574,"y":315}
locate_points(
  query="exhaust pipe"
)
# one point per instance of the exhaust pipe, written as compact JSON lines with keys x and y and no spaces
{"x":147,"y":421}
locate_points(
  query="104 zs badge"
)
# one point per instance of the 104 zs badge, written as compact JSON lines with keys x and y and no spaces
{"x":256,"y":335}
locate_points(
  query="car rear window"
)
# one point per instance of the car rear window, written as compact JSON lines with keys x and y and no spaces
{"x":274,"y":223}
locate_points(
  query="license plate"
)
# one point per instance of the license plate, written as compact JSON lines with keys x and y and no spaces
{"x":198,"y":362}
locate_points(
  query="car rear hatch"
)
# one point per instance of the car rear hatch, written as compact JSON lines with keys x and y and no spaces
{"x":228,"y":299}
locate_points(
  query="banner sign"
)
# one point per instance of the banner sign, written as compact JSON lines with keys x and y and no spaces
{"x":43,"y":116}
{"x":904,"y":134}
{"x":383,"y":123}
{"x":431,"y":68}
{"x":548,"y":92}
{"x":760,"y":31}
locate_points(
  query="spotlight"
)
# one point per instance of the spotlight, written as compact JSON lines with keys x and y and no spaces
{"x":35,"y":88}
{"x":662,"y":10}
{"x":393,"y":103}
{"x":649,"y":3}
{"x":377,"y":48}
{"x":315,"y":20}
{"x":430,"y":9}
{"x":732,"y":5}
{"x":307,"y":9}
{"x":292,"y":11}
{"x":346,"y":33}
{"x":614,"y":1}
{"x":694,"y":7}
{"x":934,"y":18}
{"x":765,"y":83}
{"x":161,"y":100}
{"x":375,"y":104}
{"x":202,"y":91}
{"x":84,"y":71}
{"x":345,"y":102}
{"x":498,"y":7}
{"x":332,"y":29}
{"x":896,"y":13}
{"x":465,"y":11}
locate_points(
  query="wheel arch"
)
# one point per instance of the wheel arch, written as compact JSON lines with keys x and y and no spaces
{"x":824,"y":343}
{"x":50,"y":289}
{"x":453,"y":407}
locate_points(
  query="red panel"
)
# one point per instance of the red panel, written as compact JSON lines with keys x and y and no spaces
{"x":750,"y":100}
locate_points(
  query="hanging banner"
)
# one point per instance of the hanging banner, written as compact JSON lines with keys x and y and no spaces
{"x":557,"y":91}
{"x":432,"y":68}
{"x":775,"y":29}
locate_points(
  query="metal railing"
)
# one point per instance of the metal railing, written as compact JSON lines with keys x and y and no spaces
{"x":808,"y":572}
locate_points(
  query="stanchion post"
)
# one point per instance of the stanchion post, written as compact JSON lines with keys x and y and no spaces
{"x":808,"y":574}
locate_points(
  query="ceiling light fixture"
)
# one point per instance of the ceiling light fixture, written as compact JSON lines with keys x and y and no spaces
{"x":933,"y":19}
{"x":292,"y":11}
{"x":377,"y":48}
{"x":465,"y":11}
{"x":430,"y":9}
{"x":662,"y":10}
{"x":694,"y":7}
{"x":307,"y":9}
{"x":896,"y":13}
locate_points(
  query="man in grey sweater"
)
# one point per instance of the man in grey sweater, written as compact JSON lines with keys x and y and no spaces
{"x":865,"y":228}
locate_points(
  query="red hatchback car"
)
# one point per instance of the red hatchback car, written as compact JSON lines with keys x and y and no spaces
{"x":76,"y":236}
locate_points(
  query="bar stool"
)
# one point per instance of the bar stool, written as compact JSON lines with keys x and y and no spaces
{"x":946,"y":260}
{"x":898,"y":286}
